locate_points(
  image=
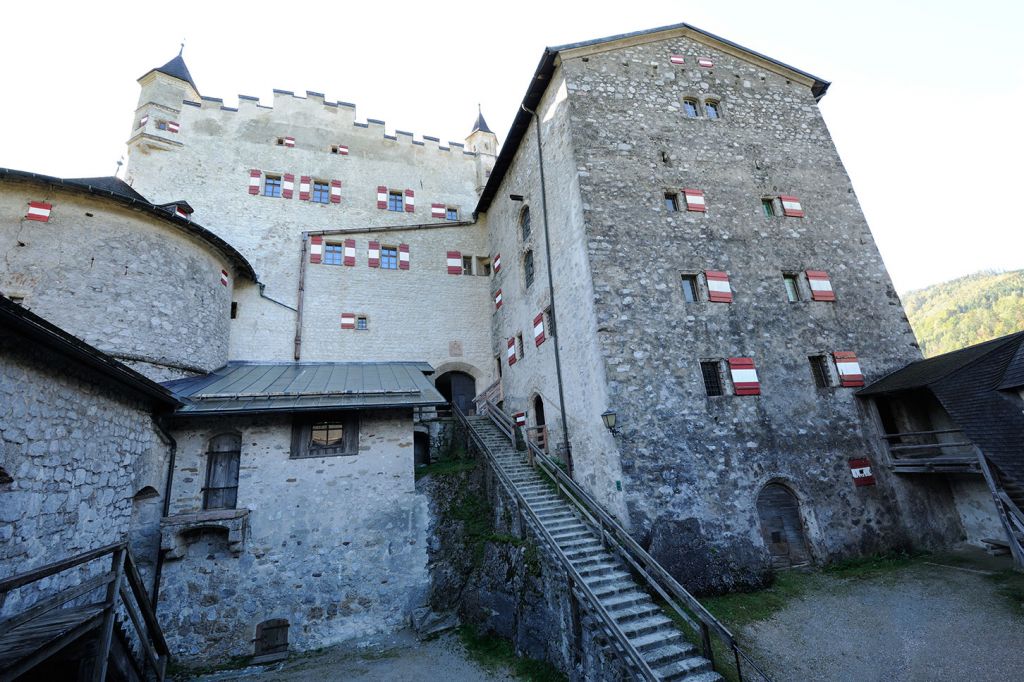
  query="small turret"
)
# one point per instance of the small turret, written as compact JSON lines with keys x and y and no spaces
{"x":485,"y":143}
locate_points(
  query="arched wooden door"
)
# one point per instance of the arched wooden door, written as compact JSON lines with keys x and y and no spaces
{"x":781,"y":526}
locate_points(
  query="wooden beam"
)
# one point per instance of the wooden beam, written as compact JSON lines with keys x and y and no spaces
{"x":56,"y":567}
{"x":1015,"y":548}
{"x":99,"y":672}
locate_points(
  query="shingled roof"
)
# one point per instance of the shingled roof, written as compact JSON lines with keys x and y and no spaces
{"x":177,"y":69}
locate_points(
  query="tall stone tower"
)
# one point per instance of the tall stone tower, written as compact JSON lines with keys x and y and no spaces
{"x":484,"y":143}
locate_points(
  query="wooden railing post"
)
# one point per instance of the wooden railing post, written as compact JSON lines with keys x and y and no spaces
{"x":99,"y":671}
{"x":705,"y":640}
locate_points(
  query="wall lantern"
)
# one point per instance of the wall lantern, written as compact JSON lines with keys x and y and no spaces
{"x":609,"y":417}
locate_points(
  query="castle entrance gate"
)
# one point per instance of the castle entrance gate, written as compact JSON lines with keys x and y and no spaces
{"x":458,"y":388}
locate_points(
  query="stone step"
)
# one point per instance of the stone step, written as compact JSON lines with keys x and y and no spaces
{"x":656,"y":640}
{"x":616,"y":577}
{"x":638,"y":612}
{"x":581,"y":551}
{"x":662,"y":656}
{"x":644,"y":626}
{"x":580,"y":542}
{"x":598,"y":569}
{"x":596,"y":557}
{"x":625,"y":601}
{"x":558,"y":520}
{"x":615,"y":586}
{"x":686,"y":669}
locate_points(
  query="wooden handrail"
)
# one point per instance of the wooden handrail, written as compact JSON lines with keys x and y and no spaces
{"x":46,"y":570}
{"x":889,"y":436}
{"x":928,"y":446}
{"x":623,"y":543}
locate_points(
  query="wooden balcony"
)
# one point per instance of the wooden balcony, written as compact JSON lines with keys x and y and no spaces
{"x":938,"y":451}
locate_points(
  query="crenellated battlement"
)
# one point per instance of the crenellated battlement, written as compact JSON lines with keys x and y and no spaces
{"x":312,"y":120}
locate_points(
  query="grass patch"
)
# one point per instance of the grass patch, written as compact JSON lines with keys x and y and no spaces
{"x":740,"y":608}
{"x":177,"y":671}
{"x":446,"y":467}
{"x":494,"y":653}
{"x":873,"y":566}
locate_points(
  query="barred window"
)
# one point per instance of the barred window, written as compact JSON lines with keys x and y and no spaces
{"x":712,"y":374}
{"x":819,"y":369}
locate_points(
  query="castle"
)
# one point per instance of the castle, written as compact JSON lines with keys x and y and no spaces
{"x":666,"y":242}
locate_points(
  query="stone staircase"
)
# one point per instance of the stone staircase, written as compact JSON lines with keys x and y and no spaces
{"x":654,"y":635}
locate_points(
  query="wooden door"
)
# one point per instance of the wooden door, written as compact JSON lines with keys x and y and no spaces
{"x":221,"y":490}
{"x":781,"y":526}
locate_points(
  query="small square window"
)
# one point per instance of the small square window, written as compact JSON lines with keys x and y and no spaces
{"x":272,"y":186}
{"x":483,"y":267}
{"x":820,"y":371}
{"x":549,"y":324}
{"x":792,"y":287}
{"x":451,"y":214}
{"x":389,"y":258}
{"x":326,"y":436}
{"x":280,"y":142}
{"x":671,"y":202}
{"x":711,"y":109}
{"x":333,"y":254}
{"x":689,"y":284}
{"x":768,"y":207}
{"x":161,"y":125}
{"x":395,"y":201}
{"x":690,"y":108}
{"x":321,"y":192}
{"x":467,"y":265}
{"x":711,"y":372}
{"x":361,"y":323}
{"x":234,"y":310}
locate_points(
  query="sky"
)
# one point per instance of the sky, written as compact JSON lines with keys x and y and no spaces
{"x":925,"y":106}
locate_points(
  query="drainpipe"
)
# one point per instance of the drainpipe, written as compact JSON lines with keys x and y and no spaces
{"x":301,"y":292}
{"x":551,"y":288}
{"x":155,"y":592}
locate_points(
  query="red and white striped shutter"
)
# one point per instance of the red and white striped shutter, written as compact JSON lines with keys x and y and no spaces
{"x":343,"y":149}
{"x":694,"y":200}
{"x":497,"y":263}
{"x":374,"y":255}
{"x":511,"y":351}
{"x":850,"y":373}
{"x":676,"y":59}
{"x":454,"y":262}
{"x":349,"y":257}
{"x":382,"y":197}
{"x":705,"y":62}
{"x":497,"y":299}
{"x":791,"y":207}
{"x":719,"y":290}
{"x":254,"y":181}
{"x":538,"y":329}
{"x":224,"y":278}
{"x":288,"y":186}
{"x":410,"y":201}
{"x":39,"y":210}
{"x":335,"y":191}
{"x":143,"y":121}
{"x":403,"y":256}
{"x":304,"y":183}
{"x":821,"y":286}
{"x":744,"y":376}
{"x":348,"y":320}
{"x":316,"y":249}
{"x":173,"y":126}
{"x":437,"y":210}
{"x":520,"y":418}
{"x":289,"y":142}
{"x":860,"y":469}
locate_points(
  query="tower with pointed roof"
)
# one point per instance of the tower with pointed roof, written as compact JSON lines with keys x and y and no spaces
{"x":482,"y":141}
{"x":157,"y":116}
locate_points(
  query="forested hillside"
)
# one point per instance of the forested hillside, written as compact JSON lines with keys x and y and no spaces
{"x":966,"y":311}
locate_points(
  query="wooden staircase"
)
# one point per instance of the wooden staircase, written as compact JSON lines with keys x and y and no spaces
{"x":614,"y":579}
{"x":82,"y":632}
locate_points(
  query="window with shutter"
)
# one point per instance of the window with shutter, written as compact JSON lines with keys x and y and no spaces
{"x":719,"y":289}
{"x":222,"y":460}
{"x":744,"y":376}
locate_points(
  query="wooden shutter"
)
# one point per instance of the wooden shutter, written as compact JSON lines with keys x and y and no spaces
{"x":511,"y":351}
{"x":173,"y":126}
{"x":304,"y":192}
{"x":272,"y":636}
{"x":437,"y":210}
{"x":719,"y":290}
{"x":676,"y":59}
{"x":316,"y":249}
{"x":694,"y":200}
{"x":403,"y":256}
{"x":348,"y":320}
{"x":349,"y":255}
{"x":497,"y":299}
{"x":288,"y":185}
{"x":454,"y":262}
{"x":39,"y":210}
{"x":791,"y":206}
{"x":496,"y":262}
{"x":382,"y":197}
{"x":705,"y":62}
{"x":860,"y":469}
{"x":821,"y":286}
{"x":289,"y":142}
{"x":850,"y":373}
{"x":374,"y":255}
{"x":538,"y":329}
{"x":410,"y":201}
{"x":335,"y":191}
{"x":254,"y":181}
{"x":744,"y":376}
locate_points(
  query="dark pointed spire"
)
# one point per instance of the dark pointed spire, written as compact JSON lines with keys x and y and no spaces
{"x":480,"y":124}
{"x":177,"y":69}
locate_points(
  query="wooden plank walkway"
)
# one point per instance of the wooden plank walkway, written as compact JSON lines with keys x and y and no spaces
{"x":43,"y":635}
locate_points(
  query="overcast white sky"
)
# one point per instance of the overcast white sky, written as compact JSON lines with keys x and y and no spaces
{"x":925,"y":106}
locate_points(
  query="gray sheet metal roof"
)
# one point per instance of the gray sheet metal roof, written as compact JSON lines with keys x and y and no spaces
{"x":255,"y":387}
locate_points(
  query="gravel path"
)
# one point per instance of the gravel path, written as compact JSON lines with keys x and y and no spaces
{"x":925,"y":622}
{"x":400,"y":657}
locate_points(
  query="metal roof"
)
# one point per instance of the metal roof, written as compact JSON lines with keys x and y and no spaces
{"x":258,"y":387}
{"x":542,"y":76}
{"x":30,"y":330}
{"x":176,"y":68}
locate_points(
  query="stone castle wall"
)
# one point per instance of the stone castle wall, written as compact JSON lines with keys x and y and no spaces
{"x":335,"y":545}
{"x":121,"y":280}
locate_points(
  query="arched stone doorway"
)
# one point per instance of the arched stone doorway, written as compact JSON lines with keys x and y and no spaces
{"x":458,"y":388}
{"x":538,"y":410}
{"x":781,"y":526}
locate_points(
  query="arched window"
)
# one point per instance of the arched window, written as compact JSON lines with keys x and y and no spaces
{"x":712,"y":109}
{"x":691,"y":108}
{"x":524,"y":223}
{"x":222,"y":456}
